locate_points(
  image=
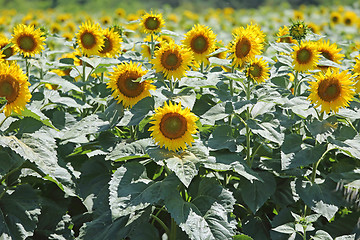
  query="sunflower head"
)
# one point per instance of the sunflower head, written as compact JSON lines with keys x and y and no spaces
{"x":173,"y":126}
{"x":27,"y":40}
{"x":284,"y":35}
{"x":6,"y":47}
{"x":332,"y":90}
{"x":350,"y":18}
{"x":111,"y":43}
{"x":89,"y":38}
{"x":305,"y":56}
{"x":201,"y":41}
{"x":330,"y":52}
{"x":172,"y":60}
{"x":298,"y":30}
{"x":246,"y":44}
{"x":258,"y":70}
{"x":14,"y":87}
{"x":152,"y":23}
{"x":126,"y":85}
{"x":335,"y":18}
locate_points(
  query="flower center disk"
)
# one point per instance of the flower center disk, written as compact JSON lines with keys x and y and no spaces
{"x":88,"y":40}
{"x":9,"y":89}
{"x":303,"y":56}
{"x":243,"y":48}
{"x":152,"y":23}
{"x":170,"y":60}
{"x":329,"y":90}
{"x":199,"y":44}
{"x":128,"y":87}
{"x":173,"y":125}
{"x":26,"y":43}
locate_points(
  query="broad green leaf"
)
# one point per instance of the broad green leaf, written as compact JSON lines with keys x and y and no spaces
{"x":55,"y":97}
{"x":8,"y":160}
{"x":267,"y":130}
{"x":37,"y":115}
{"x":288,"y":228}
{"x":215,"y":113}
{"x":113,"y":114}
{"x":322,"y":235}
{"x":256,"y":228}
{"x":206,"y":216}
{"x":19,"y":211}
{"x":185,"y":166}
{"x":225,"y":161}
{"x":295,"y":154}
{"x":321,"y":198}
{"x":346,"y":237}
{"x":144,"y":231}
{"x":138,"y":112}
{"x":300,"y":106}
{"x":349,"y":146}
{"x":222,"y":138}
{"x":242,"y":237}
{"x":124,"y":151}
{"x":77,"y":133}
{"x":322,"y":129}
{"x":64,"y":85}
{"x":257,"y":193}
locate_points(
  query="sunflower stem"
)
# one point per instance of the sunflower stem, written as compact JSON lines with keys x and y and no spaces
{"x":27,"y":67}
{"x":102,"y":77}
{"x":248,"y":116}
{"x":2,"y":122}
{"x":152,"y":46}
{"x":172,"y":230}
{"x":157,"y":214}
{"x":162,"y":224}
{"x":296,"y":83}
{"x":172,"y":85}
{"x":202,"y":67}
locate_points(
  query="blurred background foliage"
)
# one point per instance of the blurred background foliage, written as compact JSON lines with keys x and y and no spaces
{"x":133,"y":5}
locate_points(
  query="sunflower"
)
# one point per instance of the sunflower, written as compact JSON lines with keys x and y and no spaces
{"x":332,"y":90}
{"x":350,"y":18}
{"x":7,"y":51}
{"x":330,"y":52}
{"x":284,"y":35}
{"x":27,"y":40}
{"x":14,"y":87}
{"x":314,"y":27}
{"x":201,"y":41}
{"x":152,"y":23}
{"x":173,"y":126}
{"x":306,"y":56}
{"x":298,"y":30}
{"x":90,"y":38}
{"x":245,"y":46}
{"x":124,"y":85}
{"x":258,"y":70}
{"x":172,"y":60}
{"x":335,"y":17}
{"x":111,"y":43}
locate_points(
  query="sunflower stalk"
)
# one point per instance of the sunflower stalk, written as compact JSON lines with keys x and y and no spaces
{"x":162,"y":224}
{"x":248,"y":88}
{"x":27,"y":67}
{"x":2,"y":122}
{"x":173,"y":230}
{"x":152,"y":46}
{"x":296,"y":83}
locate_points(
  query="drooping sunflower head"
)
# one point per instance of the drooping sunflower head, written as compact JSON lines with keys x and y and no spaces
{"x":173,"y":126}
{"x":111,"y":43}
{"x":330,"y":52}
{"x":172,"y":60}
{"x":7,"y":50}
{"x":284,"y":35}
{"x":305,"y":57}
{"x":89,"y":38}
{"x":258,"y":70}
{"x":298,"y":30}
{"x":126,"y":85}
{"x":332,"y":90}
{"x":152,"y":23}
{"x":14,"y":87}
{"x":27,"y":40}
{"x":244,"y":46}
{"x":201,"y":41}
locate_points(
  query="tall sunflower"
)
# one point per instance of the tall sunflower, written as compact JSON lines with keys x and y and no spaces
{"x":111,"y":43}
{"x":90,"y":38}
{"x":330,"y":52}
{"x":173,"y":126}
{"x":152,"y":23}
{"x":258,"y":70}
{"x":332,"y":90}
{"x":27,"y":40}
{"x":125,"y":85}
{"x":14,"y":87}
{"x":172,"y":60}
{"x":306,"y":56}
{"x":246,"y":44}
{"x":201,"y":41}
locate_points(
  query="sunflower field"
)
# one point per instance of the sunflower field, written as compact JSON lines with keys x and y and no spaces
{"x":229,"y":124}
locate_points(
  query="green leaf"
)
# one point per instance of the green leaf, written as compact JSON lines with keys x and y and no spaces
{"x":322,"y":235}
{"x":113,"y":114}
{"x":19,"y":211}
{"x":64,"y":85}
{"x":77,"y":132}
{"x":8,"y":160}
{"x":267,"y":130}
{"x":349,"y":146}
{"x":138,"y":112}
{"x":37,"y":115}
{"x":257,"y":193}
{"x":144,"y":231}
{"x":207,"y":215}
{"x":222,"y":138}
{"x":288,"y":228}
{"x":55,"y":97}
{"x":322,"y":129}
{"x":295,"y":154}
{"x":215,"y":113}
{"x":184,"y":166}
{"x":242,"y":237}
{"x":321,"y":198}
{"x":123,"y":151}
{"x":346,"y":237}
